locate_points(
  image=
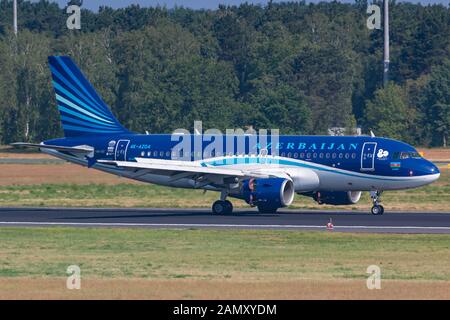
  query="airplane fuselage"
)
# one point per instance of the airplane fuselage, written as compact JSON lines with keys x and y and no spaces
{"x":345,"y":163}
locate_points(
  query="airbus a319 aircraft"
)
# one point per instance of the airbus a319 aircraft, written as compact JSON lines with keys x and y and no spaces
{"x":330,"y":169}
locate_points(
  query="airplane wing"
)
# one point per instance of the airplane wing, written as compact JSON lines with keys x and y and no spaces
{"x":77,"y":149}
{"x":185,"y":169}
{"x":169,"y":166}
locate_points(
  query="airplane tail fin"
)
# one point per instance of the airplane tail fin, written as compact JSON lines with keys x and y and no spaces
{"x":82,"y":111}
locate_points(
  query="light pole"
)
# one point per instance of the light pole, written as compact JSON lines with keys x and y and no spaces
{"x":386,"y":43}
{"x":15,"y":16}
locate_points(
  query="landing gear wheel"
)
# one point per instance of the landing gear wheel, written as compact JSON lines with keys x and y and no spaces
{"x":263,"y":209}
{"x":229,"y":206}
{"x":377,"y":210}
{"x":222,"y":207}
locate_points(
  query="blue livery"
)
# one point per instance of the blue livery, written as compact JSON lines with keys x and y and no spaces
{"x":83,"y":112}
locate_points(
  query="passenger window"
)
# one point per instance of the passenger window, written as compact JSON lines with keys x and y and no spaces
{"x":296,"y":155}
{"x":341,"y":155}
{"x":353,"y":155}
{"x":328,"y":155}
{"x":321,"y":155}
{"x":347,"y":156}
{"x":333,"y":155}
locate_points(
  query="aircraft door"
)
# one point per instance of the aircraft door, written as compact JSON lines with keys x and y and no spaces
{"x":121,"y":150}
{"x":368,"y":156}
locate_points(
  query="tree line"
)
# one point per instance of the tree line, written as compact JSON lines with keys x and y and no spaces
{"x":299,"y":67}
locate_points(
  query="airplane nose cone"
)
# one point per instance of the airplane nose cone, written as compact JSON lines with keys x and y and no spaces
{"x":433,"y":171}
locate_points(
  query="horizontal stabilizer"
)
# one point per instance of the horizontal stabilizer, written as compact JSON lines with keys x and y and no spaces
{"x":77,"y":149}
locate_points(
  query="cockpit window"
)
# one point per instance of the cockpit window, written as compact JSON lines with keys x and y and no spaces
{"x":406,"y":155}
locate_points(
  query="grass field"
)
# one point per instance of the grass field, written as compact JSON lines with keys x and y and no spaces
{"x":143,"y":263}
{"x":71,"y":185}
{"x":199,"y":264}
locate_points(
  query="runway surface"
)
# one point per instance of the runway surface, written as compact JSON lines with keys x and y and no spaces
{"x":343,"y":221}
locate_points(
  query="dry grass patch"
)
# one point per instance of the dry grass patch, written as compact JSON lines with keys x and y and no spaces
{"x":92,"y":288}
{"x":35,"y":174}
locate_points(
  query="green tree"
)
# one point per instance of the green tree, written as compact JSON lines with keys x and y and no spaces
{"x":326,"y":77}
{"x":387,"y":113}
{"x":435,"y":103}
{"x":302,"y":67}
{"x":282,"y":107}
{"x":8,"y":89}
{"x":27,"y":75}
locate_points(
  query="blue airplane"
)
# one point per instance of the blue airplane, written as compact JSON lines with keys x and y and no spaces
{"x":330,"y":169}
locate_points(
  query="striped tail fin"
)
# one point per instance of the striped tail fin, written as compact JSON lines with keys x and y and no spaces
{"x":82,"y":111}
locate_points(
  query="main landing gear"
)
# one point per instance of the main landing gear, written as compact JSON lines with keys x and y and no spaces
{"x":377,"y":208}
{"x":222,"y":206}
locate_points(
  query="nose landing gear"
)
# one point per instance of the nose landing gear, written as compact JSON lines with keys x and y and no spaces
{"x":377,"y":208}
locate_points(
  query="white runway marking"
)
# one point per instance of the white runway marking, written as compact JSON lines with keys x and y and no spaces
{"x":202,"y":225}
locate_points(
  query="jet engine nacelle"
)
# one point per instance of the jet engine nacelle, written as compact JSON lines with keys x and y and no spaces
{"x":269,"y":193}
{"x":304,"y":179}
{"x":337,"y":197}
